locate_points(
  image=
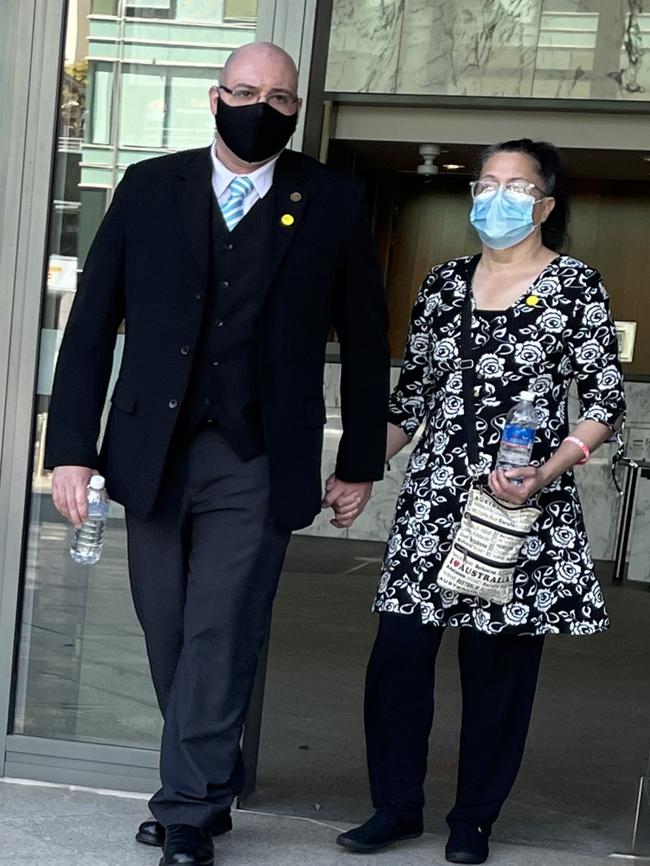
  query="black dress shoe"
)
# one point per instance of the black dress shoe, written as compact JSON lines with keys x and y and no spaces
{"x":380,"y":831}
{"x":153,"y":833}
{"x":467,"y":843}
{"x":187,"y":846}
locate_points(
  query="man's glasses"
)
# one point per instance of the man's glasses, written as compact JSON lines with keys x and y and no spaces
{"x":279,"y":100}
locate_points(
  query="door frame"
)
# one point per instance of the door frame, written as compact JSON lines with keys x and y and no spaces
{"x":32,"y":48}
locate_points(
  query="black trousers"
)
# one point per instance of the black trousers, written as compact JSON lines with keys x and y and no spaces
{"x":204,"y":570}
{"x":498,"y":679}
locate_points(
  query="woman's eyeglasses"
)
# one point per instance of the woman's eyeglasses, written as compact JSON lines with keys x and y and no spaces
{"x":489,"y":187}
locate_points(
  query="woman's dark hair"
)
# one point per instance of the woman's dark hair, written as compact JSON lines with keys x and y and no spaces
{"x":555,"y":229}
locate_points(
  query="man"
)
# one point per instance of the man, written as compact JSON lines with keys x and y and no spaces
{"x":228,"y":267}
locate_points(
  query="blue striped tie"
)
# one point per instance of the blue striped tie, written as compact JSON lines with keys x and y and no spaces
{"x":233,"y":209}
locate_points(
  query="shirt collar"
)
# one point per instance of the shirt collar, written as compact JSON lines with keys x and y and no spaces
{"x":222,"y":177}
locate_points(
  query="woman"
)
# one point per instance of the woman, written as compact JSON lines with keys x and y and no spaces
{"x":539,"y":320}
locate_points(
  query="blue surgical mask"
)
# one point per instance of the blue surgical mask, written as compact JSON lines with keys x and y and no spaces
{"x":503,"y":218}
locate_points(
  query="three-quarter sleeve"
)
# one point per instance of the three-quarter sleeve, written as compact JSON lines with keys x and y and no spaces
{"x":593,"y":350}
{"x":411,"y":400}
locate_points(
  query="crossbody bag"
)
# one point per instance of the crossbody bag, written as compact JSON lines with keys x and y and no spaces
{"x":487,"y":545}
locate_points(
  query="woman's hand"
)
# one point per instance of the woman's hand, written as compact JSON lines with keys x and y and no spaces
{"x":502,"y":485}
{"x":348,"y":500}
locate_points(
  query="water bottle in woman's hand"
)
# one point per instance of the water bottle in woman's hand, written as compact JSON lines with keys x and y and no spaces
{"x":88,"y":539}
{"x":518,"y":435}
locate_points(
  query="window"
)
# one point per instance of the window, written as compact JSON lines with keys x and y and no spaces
{"x":100,"y":83}
{"x":199,"y":10}
{"x":239,"y":10}
{"x":82,"y":673}
{"x":188,"y":123}
{"x":142,"y":110}
{"x":150,"y":9}
{"x":104,"y":7}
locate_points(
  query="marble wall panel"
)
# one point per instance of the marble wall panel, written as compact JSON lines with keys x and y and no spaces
{"x":374,"y":524}
{"x":601,"y":505}
{"x":473,"y":47}
{"x":364,"y":46}
{"x":639,"y":554}
{"x":580,"y":49}
{"x":426,"y":57}
{"x":638,"y":402}
{"x":332,"y":386}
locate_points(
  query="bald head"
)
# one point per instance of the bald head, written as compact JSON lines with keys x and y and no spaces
{"x":262,"y":65}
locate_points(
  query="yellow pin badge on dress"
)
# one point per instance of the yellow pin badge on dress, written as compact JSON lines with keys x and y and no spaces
{"x":287,"y":219}
{"x":532,"y":300}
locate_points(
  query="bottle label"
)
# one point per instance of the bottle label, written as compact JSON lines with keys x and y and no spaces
{"x":514,"y":434}
{"x":98,"y":510}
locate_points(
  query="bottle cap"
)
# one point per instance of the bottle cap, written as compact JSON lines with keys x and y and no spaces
{"x":528,"y":396}
{"x":97,"y":482}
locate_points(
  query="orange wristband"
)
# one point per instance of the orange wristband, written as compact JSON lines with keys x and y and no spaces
{"x":581,"y":445}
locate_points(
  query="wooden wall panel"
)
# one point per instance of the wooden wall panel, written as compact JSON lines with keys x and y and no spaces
{"x":431,"y":226}
{"x":611,"y":231}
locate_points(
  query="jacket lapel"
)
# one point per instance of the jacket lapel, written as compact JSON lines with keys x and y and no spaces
{"x":289,"y":202}
{"x":193,"y":199}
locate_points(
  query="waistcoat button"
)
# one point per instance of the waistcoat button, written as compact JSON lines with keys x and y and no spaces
{"x":185,"y":350}
{"x":173,"y":403}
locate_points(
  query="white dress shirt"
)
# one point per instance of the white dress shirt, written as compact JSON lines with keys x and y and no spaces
{"x":222,"y":177}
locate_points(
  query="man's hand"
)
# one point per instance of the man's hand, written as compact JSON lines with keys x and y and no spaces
{"x":348,"y":500}
{"x":503,"y":485}
{"x":69,"y":485}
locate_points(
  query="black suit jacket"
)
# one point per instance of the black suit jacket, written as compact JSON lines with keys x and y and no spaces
{"x":148,"y":266}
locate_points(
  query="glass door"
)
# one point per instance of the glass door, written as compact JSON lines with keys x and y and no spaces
{"x":134,"y":85}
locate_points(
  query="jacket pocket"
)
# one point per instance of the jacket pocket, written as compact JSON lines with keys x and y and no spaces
{"x":124,"y":397}
{"x":312,"y":414}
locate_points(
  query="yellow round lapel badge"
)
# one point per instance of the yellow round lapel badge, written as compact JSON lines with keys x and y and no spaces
{"x":532,"y":300}
{"x":287,"y":220}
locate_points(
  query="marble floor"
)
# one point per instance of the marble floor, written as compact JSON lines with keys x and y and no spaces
{"x":84,"y":677}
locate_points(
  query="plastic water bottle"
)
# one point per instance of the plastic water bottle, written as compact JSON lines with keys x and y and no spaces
{"x":88,"y":539}
{"x":518,"y":436}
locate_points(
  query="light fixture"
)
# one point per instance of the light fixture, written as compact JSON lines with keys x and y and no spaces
{"x":453,"y":166}
{"x":428,"y":152}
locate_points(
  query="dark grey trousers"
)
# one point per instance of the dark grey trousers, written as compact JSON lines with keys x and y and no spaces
{"x":204,"y":571}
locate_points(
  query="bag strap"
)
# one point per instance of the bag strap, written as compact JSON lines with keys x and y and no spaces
{"x":467,"y":366}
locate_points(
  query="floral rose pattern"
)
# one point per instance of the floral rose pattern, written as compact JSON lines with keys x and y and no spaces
{"x":560,"y":330}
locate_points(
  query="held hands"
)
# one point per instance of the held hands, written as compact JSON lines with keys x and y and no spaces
{"x":502,"y":485}
{"x":69,"y":485}
{"x":348,"y":500}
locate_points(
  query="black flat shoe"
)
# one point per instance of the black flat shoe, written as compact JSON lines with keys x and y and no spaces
{"x":152,"y":833}
{"x":381,"y":831}
{"x":467,"y":843}
{"x":187,"y":846}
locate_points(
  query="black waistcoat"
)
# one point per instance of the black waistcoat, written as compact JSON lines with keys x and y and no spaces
{"x":223,"y":387}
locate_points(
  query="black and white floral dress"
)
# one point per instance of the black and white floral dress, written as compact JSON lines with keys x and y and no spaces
{"x":560,"y":330}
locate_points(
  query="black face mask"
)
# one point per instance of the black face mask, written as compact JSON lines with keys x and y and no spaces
{"x":256,"y":132}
